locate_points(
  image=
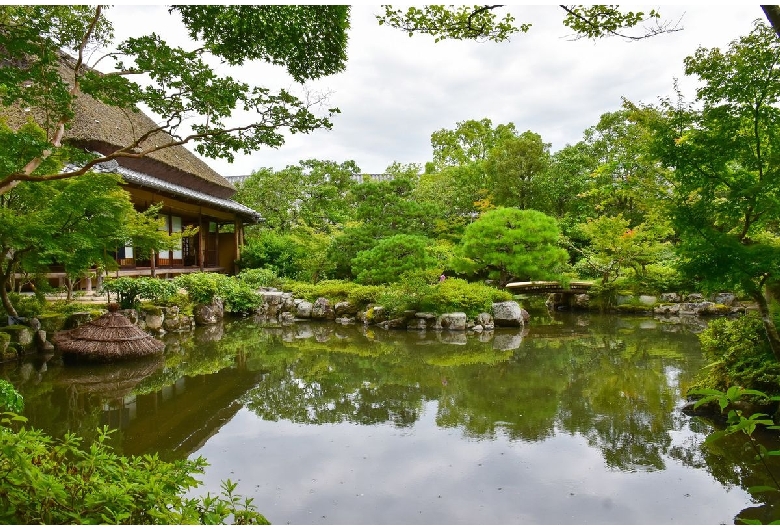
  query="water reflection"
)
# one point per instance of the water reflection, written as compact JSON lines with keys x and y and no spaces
{"x":613,"y":384}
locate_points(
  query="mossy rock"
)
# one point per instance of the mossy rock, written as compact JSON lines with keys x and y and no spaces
{"x":21,"y":335}
{"x":5,"y":341}
{"x":52,"y":322}
{"x":634,"y":308}
{"x":10,"y":354}
{"x":77,"y":319}
{"x":150,"y":309}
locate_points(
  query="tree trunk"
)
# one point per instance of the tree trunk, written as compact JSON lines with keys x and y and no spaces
{"x":772,"y":14}
{"x":772,"y":334}
{"x":7,"y":305}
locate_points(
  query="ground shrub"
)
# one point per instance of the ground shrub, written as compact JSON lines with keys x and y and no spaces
{"x":453,"y":295}
{"x":257,"y":278}
{"x":201,"y":287}
{"x":738,"y":355}
{"x":238,"y":296}
{"x":130,"y":291}
{"x":47,"y":481}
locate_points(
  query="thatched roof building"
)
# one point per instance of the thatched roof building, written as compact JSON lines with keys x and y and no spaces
{"x":192,"y":193}
{"x":103,"y":128}
{"x":111,"y":337}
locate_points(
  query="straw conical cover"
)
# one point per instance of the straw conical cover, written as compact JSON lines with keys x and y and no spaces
{"x":107,"y":338}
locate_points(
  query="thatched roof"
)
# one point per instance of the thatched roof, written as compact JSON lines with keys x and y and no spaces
{"x":111,"y":337}
{"x":104,"y":128}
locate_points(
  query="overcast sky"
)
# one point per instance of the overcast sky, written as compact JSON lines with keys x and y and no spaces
{"x":397,"y":90}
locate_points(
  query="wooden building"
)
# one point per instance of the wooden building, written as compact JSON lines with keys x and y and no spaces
{"x":192,"y":193}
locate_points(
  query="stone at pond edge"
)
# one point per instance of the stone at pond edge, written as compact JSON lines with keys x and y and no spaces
{"x":452,"y":321}
{"x":212,"y":313}
{"x":509,"y":314}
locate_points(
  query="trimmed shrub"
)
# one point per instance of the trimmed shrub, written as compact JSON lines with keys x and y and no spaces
{"x":459,"y":295}
{"x":130,"y":291}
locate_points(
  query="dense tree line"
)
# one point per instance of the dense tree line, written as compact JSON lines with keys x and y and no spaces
{"x":679,"y":195}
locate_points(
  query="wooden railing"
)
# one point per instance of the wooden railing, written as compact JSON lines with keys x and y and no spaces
{"x":548,"y":287}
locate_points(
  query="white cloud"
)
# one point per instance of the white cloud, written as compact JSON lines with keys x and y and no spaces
{"x":397,"y":90}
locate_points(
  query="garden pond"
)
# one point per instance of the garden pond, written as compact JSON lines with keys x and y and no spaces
{"x":577,"y":419}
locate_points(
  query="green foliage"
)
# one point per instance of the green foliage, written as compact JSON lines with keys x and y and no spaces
{"x":738,"y":354}
{"x":726,"y":179}
{"x":391,"y":258}
{"x":201,"y":287}
{"x":480,"y":23}
{"x":734,"y":399}
{"x":233,"y":34}
{"x":268,"y":249}
{"x":509,"y":243}
{"x":48,"y":481}
{"x":10,"y":399}
{"x":334,"y":290}
{"x":617,"y":249}
{"x":238,"y":296}
{"x":256,"y":278}
{"x":459,"y":295}
{"x":130,"y":291}
{"x":26,"y":306}
{"x":451,"y":22}
{"x":408,"y":294}
{"x":513,"y":168}
{"x":313,"y":194}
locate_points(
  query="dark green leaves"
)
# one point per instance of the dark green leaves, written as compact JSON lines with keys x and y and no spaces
{"x":309,"y":40}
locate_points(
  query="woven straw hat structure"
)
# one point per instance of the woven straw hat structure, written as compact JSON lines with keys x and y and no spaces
{"x":111,"y":337}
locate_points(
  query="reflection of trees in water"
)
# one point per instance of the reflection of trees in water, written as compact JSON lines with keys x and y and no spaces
{"x":731,"y":461}
{"x":605,"y":379}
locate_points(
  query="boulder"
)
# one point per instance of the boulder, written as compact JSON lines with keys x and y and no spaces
{"x":343,"y":308}
{"x":508,"y":314}
{"x":303,"y":309}
{"x":673,"y":298}
{"x":322,"y":310}
{"x":647,"y":300}
{"x":694,"y":298}
{"x":484,"y":320}
{"x":20,"y":335}
{"x":452,"y":321}
{"x":206,"y":314}
{"x":581,"y":301}
{"x":726,"y":299}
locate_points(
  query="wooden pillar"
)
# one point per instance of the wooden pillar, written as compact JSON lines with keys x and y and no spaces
{"x":201,"y":242}
{"x":216,"y":242}
{"x":237,"y":227}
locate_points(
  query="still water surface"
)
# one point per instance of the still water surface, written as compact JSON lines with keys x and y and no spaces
{"x":575,"y":420}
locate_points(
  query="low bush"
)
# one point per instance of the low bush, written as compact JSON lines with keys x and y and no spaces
{"x":130,"y":291}
{"x":257,"y":278}
{"x":738,"y":355}
{"x":10,"y":399}
{"x":202,"y":287}
{"x":459,"y":295}
{"x":238,"y":296}
{"x":46,"y":481}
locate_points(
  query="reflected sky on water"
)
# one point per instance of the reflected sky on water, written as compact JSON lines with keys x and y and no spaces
{"x":575,"y":420}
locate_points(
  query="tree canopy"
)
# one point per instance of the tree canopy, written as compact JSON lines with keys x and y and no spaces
{"x":726,"y":179}
{"x":195,"y":104}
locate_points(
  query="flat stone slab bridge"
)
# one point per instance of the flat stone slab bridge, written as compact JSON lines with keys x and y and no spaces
{"x":548,"y":287}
